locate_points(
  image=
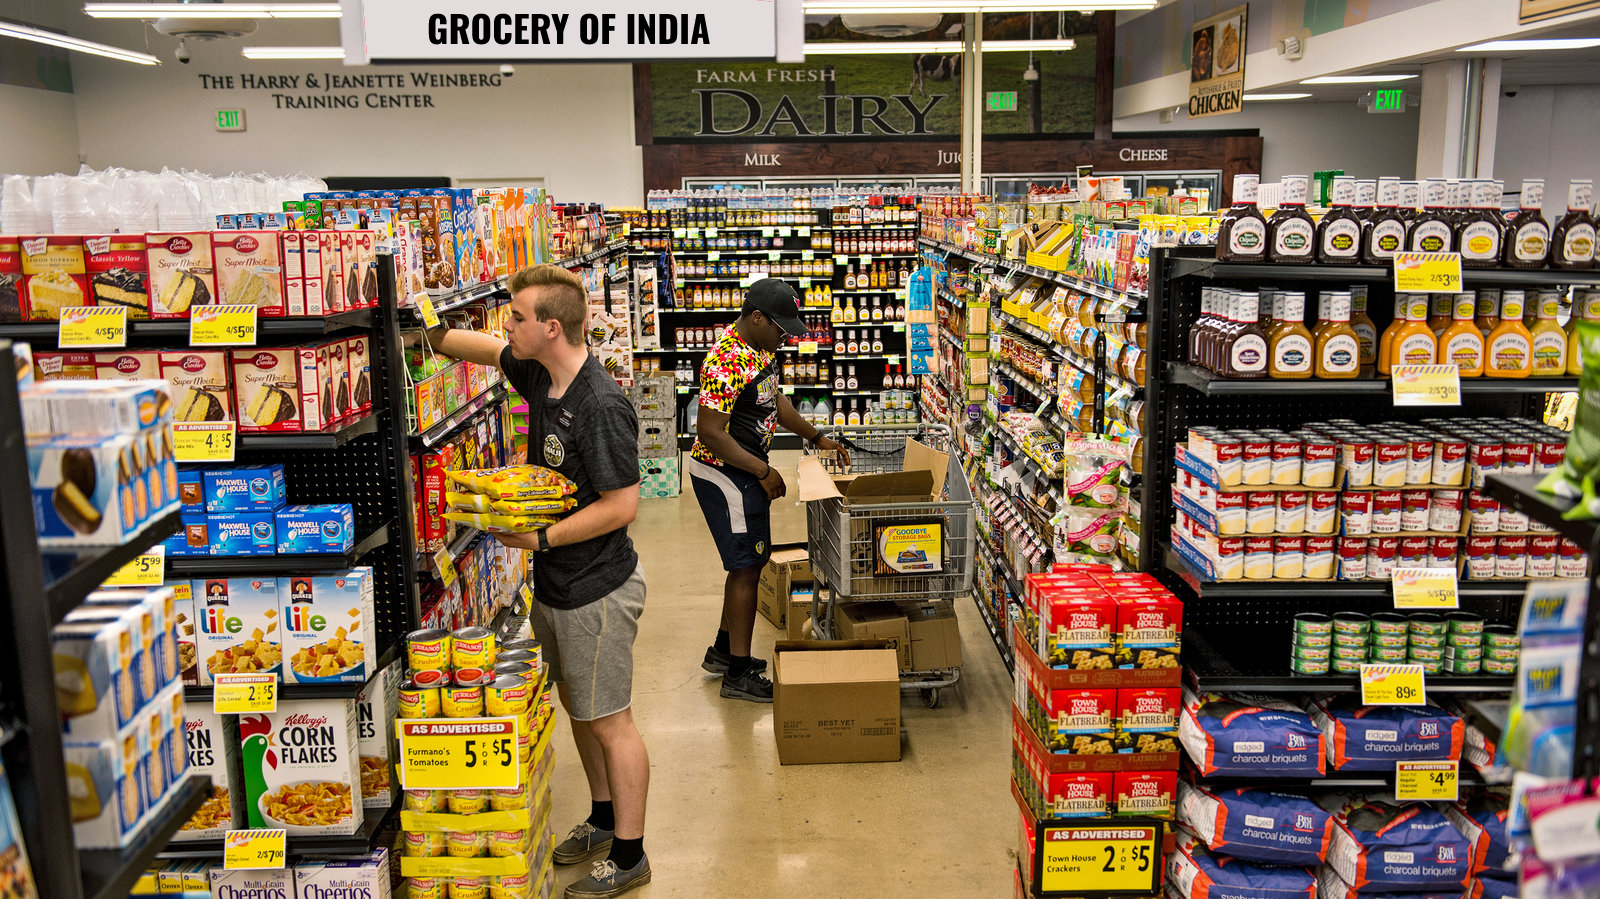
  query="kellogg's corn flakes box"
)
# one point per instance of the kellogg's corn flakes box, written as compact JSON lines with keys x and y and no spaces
{"x":212,"y":742}
{"x":301,"y":765}
{"x":376,"y":710}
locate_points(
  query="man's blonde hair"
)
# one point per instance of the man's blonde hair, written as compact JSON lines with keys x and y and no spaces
{"x":565,"y":301}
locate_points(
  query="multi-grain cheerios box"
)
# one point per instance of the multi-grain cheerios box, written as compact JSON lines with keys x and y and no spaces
{"x":375,"y":714}
{"x":365,"y":876}
{"x":302,"y":769}
{"x":328,"y":627}
{"x":256,"y":883}
{"x":239,"y":632}
{"x":212,"y":742}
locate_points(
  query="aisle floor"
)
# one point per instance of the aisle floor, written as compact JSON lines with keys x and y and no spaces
{"x":725,"y":819}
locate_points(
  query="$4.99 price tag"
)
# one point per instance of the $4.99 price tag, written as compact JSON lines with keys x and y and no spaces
{"x":244,"y":694}
{"x":1426,"y":385}
{"x":1100,"y":859}
{"x":222,"y":325}
{"x":147,"y":570}
{"x":459,"y":754}
{"x":1427,"y":781}
{"x":253,"y":849}
{"x":1392,"y":685}
{"x":93,"y":326}
{"x":1427,"y":272}
{"x":204,"y":441}
{"x":1425,"y":588}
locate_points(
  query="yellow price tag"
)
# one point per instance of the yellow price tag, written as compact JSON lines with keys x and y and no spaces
{"x":147,"y":570}
{"x":527,"y":596}
{"x":1100,"y":859}
{"x":244,"y":694}
{"x":808,"y":347}
{"x":1427,"y":781}
{"x":766,"y":232}
{"x":222,"y":325}
{"x":1427,"y":272}
{"x":253,"y":849}
{"x":774,"y":254}
{"x":1426,"y":385}
{"x":424,"y":304}
{"x":713,"y":256}
{"x":446,"y":566}
{"x":1425,"y":588}
{"x":204,"y":441}
{"x":1393,"y":685}
{"x":93,"y":326}
{"x":808,"y":254}
{"x":711,"y":232}
{"x":459,"y":753}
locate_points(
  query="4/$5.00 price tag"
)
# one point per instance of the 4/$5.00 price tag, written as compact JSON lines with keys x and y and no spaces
{"x":1426,"y":385}
{"x":244,"y":694}
{"x":204,"y":441}
{"x":89,"y":327}
{"x":146,"y":570}
{"x":1393,"y":685}
{"x":1425,"y":588}
{"x":222,"y":325}
{"x":253,"y":849}
{"x":1427,"y":781}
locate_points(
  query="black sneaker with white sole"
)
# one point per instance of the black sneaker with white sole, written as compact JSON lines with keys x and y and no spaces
{"x":716,"y":662}
{"x":607,"y":880}
{"x":585,"y":842}
{"x":751,"y":687}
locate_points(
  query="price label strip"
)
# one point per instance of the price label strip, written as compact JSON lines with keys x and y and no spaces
{"x":424,"y":304}
{"x":89,"y":327}
{"x":1427,"y":272}
{"x":1425,"y":588}
{"x":459,"y":754}
{"x":1427,"y":781}
{"x":808,"y":347}
{"x":204,"y":441}
{"x":1100,"y":859}
{"x":222,"y":325}
{"x":147,"y":570}
{"x":244,"y":694}
{"x":1393,"y":685}
{"x":446,"y":566}
{"x":1426,"y":385}
{"x":253,"y":849}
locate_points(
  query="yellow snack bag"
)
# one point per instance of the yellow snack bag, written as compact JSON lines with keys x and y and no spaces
{"x":501,"y":524}
{"x":478,"y":502}
{"x":516,"y":482}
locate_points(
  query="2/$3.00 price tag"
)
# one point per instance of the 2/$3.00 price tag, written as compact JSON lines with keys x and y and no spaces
{"x":204,"y":441}
{"x":244,"y":694}
{"x":1393,"y":685}
{"x":1425,"y":588}
{"x":1427,"y":781}
{"x":1427,"y":272}
{"x":222,"y":325}
{"x":253,"y":849}
{"x":1100,"y":859}
{"x":459,"y":753}
{"x":1426,"y":385}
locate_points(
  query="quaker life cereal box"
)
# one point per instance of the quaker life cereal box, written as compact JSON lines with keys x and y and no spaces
{"x":212,"y":742}
{"x":257,"y":883}
{"x":375,"y":714}
{"x":328,"y":627}
{"x":119,"y":272}
{"x":250,"y":272}
{"x":201,"y":384}
{"x":53,"y":275}
{"x":182,"y":273}
{"x":277,"y":389}
{"x":302,"y":767}
{"x":239,"y":631}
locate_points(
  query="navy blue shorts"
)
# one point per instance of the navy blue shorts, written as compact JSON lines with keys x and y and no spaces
{"x":738,"y":512}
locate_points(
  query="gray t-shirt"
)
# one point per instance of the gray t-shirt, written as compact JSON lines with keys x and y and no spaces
{"x":590,"y":435}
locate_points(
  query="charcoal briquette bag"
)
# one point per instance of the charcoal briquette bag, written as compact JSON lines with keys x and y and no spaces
{"x":1400,"y":848}
{"x":1331,"y":886}
{"x":1498,"y":885}
{"x":1373,"y":738}
{"x":1242,"y":735}
{"x":1194,"y":873}
{"x":1482,"y":819}
{"x":1256,"y":825}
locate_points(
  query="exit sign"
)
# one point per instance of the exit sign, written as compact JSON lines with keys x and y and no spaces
{"x":1002,"y":101}
{"x":230,"y":120}
{"x":1389,"y":100}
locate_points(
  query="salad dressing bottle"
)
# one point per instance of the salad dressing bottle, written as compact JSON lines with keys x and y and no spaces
{"x":1338,"y":351}
{"x":1386,"y":342}
{"x":1572,"y":239}
{"x":1479,"y":232}
{"x":1431,"y":232}
{"x":1527,"y":240}
{"x":1415,"y":344}
{"x":1384,"y":233}
{"x":1366,"y":329}
{"x":1244,"y":354}
{"x":1461,"y":344}
{"x":1509,"y":351}
{"x":1488,"y":314}
{"x":1242,"y":231}
{"x":1549,"y":340}
{"x":1339,"y":232}
{"x":1289,"y":341}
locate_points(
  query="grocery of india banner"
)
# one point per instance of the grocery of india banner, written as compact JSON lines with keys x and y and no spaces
{"x":1216,"y":64}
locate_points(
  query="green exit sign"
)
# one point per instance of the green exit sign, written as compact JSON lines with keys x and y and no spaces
{"x":1389,"y":100}
{"x":230,"y":120}
{"x":1002,"y":101}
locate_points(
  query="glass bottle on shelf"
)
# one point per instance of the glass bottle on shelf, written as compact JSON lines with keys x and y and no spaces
{"x":1461,"y":344}
{"x":1488,"y":310}
{"x":1244,"y":354}
{"x":1339,"y":232}
{"x":1366,"y":329}
{"x":1290,"y":232}
{"x":1430,"y":232}
{"x":1509,"y":350}
{"x":1242,"y":231}
{"x":1481,"y":228}
{"x":1290,"y":348}
{"x":851,"y":382}
{"x":1549,"y":340}
{"x":1572,"y":239}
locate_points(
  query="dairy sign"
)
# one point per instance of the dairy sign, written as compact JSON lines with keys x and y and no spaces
{"x":1216,"y":64}
{"x":518,"y":30}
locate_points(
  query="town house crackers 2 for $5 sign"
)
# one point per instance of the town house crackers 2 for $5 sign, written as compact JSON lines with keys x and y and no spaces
{"x":302,"y":767}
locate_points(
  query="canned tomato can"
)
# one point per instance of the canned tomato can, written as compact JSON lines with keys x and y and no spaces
{"x":527,"y":643}
{"x":1381,"y":555}
{"x":524,"y":670}
{"x":520,"y":654}
{"x":1511,"y":558}
{"x":431,"y":679}
{"x":1231,"y":513}
{"x":413,"y":701}
{"x":1449,"y":461}
{"x":1352,"y":560}
{"x":506,"y":843}
{"x":507,"y":695}
{"x":1419,"y":459}
{"x":1291,"y":511}
{"x":1414,"y":552}
{"x":464,"y":844}
{"x":1391,"y":624}
{"x":469,"y":888}
{"x":427,"y":801}
{"x":1518,"y":453}
{"x":1318,"y":458}
{"x":1255,"y":458}
{"x":1355,"y":512}
{"x":429,"y":887}
{"x":1386,"y":511}
{"x":1571,"y":560}
{"x":1414,"y":505}
{"x":1390,"y":459}
{"x":472,"y":647}
{"x":1443,"y":552}
{"x":469,"y":677}
{"x":1485,"y":512}
{"x":512,"y":797}
{"x":423,"y":844}
{"x":1481,"y":551}
{"x":1464,"y":624}
{"x":1260,"y":512}
{"x":1258,"y":553}
{"x":1351,"y":623}
{"x":1319,"y":557}
{"x":1312,"y":623}
{"x":1288,"y":558}
{"x":1228,"y":457}
{"x":467,"y":802}
{"x":1287,"y":460}
{"x":1444,"y":511}
{"x":1543,"y":550}
{"x":462,"y":702}
{"x":428,"y":650}
{"x":513,"y":886}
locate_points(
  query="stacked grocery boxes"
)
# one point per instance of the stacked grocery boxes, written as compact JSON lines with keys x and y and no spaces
{"x":655,"y":399}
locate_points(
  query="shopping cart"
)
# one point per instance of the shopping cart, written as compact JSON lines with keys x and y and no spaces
{"x":845,"y":559}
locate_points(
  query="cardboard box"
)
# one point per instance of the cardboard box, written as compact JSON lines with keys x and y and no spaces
{"x":835,"y":701}
{"x":876,"y":621}
{"x":798,"y":620}
{"x":935,"y":635}
{"x":660,"y":478}
{"x":788,"y":565}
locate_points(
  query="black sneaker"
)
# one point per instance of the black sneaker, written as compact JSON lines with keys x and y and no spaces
{"x":752,"y":687}
{"x":606,"y":880}
{"x":585,"y":842}
{"x":717,"y":662}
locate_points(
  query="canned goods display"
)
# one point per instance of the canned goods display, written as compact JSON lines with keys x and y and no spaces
{"x":1502,"y":654}
{"x":1346,"y":666}
{"x":426,"y":800}
{"x":464,"y":844}
{"x":1391,"y":623}
{"x":1428,"y":623}
{"x":1464,"y":623}
{"x":1310,"y":666}
{"x":427,"y":888}
{"x":1357,"y":653}
{"x":462,"y":702}
{"x":507,"y":695}
{"x":472,"y":647}
{"x":423,"y":844}
{"x":1501,"y":636}
{"x":468,"y":802}
{"x":1426,"y":654}
{"x":413,"y":701}
{"x":469,"y":888}
{"x":1498,"y":666}
{"x":1312,"y":653}
{"x":1458,"y":665}
{"x":1387,"y":654}
{"x":524,"y":670}
{"x":428,"y":650}
{"x":1389,"y":640}
{"x":1351,"y":623}
{"x":503,"y":843}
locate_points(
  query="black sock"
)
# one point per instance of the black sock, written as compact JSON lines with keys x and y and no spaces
{"x":626,"y":853}
{"x":738,"y":666}
{"x":721,"y":644}
{"x":601,"y":815}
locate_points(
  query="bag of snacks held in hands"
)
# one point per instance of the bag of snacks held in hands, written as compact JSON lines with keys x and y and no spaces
{"x":478,"y":502}
{"x":502,"y":524}
{"x":516,"y":482}
{"x":1575,"y":478}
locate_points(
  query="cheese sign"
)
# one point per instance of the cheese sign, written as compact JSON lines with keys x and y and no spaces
{"x":93,"y":326}
{"x":424,"y":303}
{"x":1426,"y":385}
{"x":253,"y":849}
{"x":459,"y":753}
{"x":1100,"y":859}
{"x":147,"y":570}
{"x":204,"y":441}
{"x":222,"y":325}
{"x":1427,"y":781}
{"x":244,"y":694}
{"x":1392,"y":685}
{"x":1425,"y":588}
{"x":1427,"y":272}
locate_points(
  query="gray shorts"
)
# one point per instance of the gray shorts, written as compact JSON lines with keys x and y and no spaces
{"x":590,"y":648}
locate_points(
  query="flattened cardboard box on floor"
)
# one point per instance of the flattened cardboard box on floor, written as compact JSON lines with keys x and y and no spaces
{"x":935,"y":635}
{"x":787,"y":568}
{"x":835,"y":701}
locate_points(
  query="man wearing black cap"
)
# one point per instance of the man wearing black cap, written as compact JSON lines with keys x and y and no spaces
{"x":740,"y":408}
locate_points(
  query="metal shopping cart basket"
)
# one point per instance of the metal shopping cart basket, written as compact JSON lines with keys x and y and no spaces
{"x":929,"y":544}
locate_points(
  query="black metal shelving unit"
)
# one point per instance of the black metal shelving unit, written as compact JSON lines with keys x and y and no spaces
{"x":1197,"y":378}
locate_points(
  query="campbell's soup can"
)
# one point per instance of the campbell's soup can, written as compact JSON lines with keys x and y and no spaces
{"x":1414,"y":552}
{"x":1444,"y":510}
{"x":1357,"y":454}
{"x":1291,"y":514}
{"x":1385,"y":511}
{"x":1255,"y":460}
{"x":1319,"y":557}
{"x":1484,"y":455}
{"x":1352,"y":552}
{"x":414,"y":701}
{"x":1318,"y":458}
{"x":1258,"y":558}
{"x":1518,"y":449}
{"x":1390,"y":459}
{"x":1228,"y":452}
{"x":1511,"y":558}
{"x":1419,"y":462}
{"x":1288,"y":557}
{"x":428,"y":650}
{"x":1449,"y":461}
{"x":1230,"y":558}
{"x":1543,"y":552}
{"x":1485,"y":512}
{"x":1322,"y":508}
{"x":1381,"y":555}
{"x":1548,"y":451}
{"x":1513,"y":520}
{"x":1286,"y":460}
{"x":472,"y":647}
{"x":1355,"y":512}
{"x":1481,"y":552}
{"x":1414,"y":509}
{"x":1444,"y":551}
{"x":1571,"y":560}
{"x":1232,"y":517}
{"x":1260,"y":512}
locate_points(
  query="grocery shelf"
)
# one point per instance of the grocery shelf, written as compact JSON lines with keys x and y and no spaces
{"x":1521,"y":492}
{"x":1126,"y":298}
{"x":1212,"y":384}
{"x":111,"y":873}
{"x":1258,"y":271}
{"x":1027,"y":383}
{"x":1371,"y":589}
{"x":287,"y":692}
{"x":167,"y":329}
{"x":296,"y":846}
{"x":457,"y":547}
{"x":996,"y":635}
{"x":205,"y":566}
{"x":70,"y":575}
{"x":466,"y":296}
{"x":1218,"y":659}
{"x":331,"y":438}
{"x":440,"y":432}
{"x":880,"y":291}
{"x":1030,"y":330}
{"x":733,"y":312}
{"x":1333,"y":780}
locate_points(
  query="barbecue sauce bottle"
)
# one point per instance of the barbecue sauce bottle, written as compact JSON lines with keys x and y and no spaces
{"x":1291,"y":234}
{"x":1339,"y":232}
{"x":1480,"y":229}
{"x":1527,"y":242}
{"x":1385,"y":232}
{"x":1242,"y":231}
{"x":1244,"y":353}
{"x":1431,"y":232}
{"x":1572,"y":239}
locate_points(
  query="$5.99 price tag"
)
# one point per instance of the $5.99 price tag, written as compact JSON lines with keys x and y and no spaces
{"x":1427,"y":781}
{"x":459,"y":754}
{"x":1426,"y":385}
{"x":244,"y":694}
{"x":1427,"y":272}
{"x":253,"y":849}
{"x":1393,"y":685}
{"x":204,"y":441}
{"x":1425,"y":588}
{"x":147,"y":570}
{"x":93,"y":326}
{"x":1100,"y":859}
{"x":222,"y":325}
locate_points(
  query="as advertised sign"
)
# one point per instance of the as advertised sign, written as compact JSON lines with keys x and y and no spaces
{"x":1100,"y":859}
{"x":502,"y":30}
{"x":905,"y":548}
{"x":1216,"y":65}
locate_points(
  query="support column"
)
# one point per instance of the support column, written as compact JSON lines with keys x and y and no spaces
{"x":1460,"y":111}
{"x":971,"y":102}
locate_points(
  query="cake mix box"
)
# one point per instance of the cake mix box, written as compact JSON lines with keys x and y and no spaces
{"x":250,"y":271}
{"x":118,"y":268}
{"x":70,"y":366}
{"x":358,"y":367}
{"x":339,"y":380}
{"x":328,"y":627}
{"x":314,"y":247}
{"x":293,"y":244}
{"x":202,"y":386}
{"x":54,"y":276}
{"x":129,"y":365}
{"x":278,"y":389}
{"x":376,"y":710}
{"x":361,"y":270}
{"x":302,"y":767}
{"x":337,"y":257}
{"x":182,"y":273}
{"x":239,"y":631}
{"x":11,"y":309}
{"x":212,"y":744}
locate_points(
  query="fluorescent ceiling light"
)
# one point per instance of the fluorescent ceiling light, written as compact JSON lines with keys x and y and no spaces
{"x":890,"y":47}
{"x":1547,"y":43}
{"x":1276,"y":96}
{"x":212,"y":10}
{"x":1356,"y":79}
{"x":40,"y":36}
{"x":293,"y":52}
{"x":841,"y":7}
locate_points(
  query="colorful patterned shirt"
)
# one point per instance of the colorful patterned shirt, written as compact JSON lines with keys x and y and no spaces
{"x":742,"y":381}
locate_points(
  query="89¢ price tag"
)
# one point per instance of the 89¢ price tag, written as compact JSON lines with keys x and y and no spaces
{"x":244,"y":694}
{"x":1427,"y":781}
{"x":459,"y":754}
{"x":1426,"y":385}
{"x":222,"y":325}
{"x":1393,"y":685}
{"x":1100,"y":859}
{"x":1425,"y":588}
{"x":147,"y":570}
{"x":253,"y":849}
{"x":204,"y":441}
